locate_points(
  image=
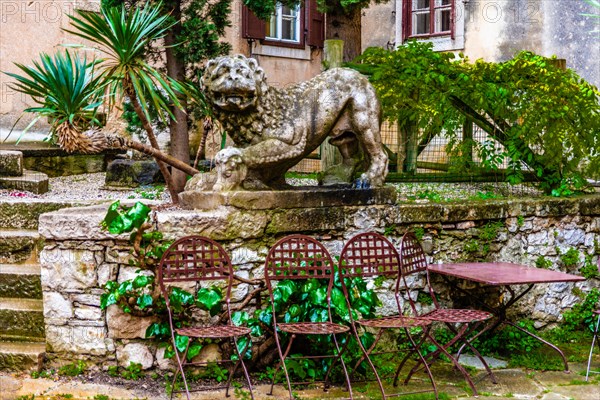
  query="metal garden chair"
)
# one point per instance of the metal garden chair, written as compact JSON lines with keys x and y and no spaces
{"x":299,"y":257}
{"x":196,"y":259}
{"x":370,"y":255}
{"x":414,"y":262}
{"x":594,"y":340}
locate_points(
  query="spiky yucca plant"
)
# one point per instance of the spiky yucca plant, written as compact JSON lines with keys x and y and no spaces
{"x":68,"y":93}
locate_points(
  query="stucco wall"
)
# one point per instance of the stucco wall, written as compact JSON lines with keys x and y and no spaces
{"x":79,"y":258}
{"x":497,"y":30}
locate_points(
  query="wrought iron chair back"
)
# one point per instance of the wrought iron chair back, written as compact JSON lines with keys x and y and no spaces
{"x":413,"y":261}
{"x":195,"y":259}
{"x":369,"y":255}
{"x":300,"y":257}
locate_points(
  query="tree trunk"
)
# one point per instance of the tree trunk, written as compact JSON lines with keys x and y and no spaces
{"x":160,"y":156}
{"x":180,"y":146}
{"x":345,"y":25}
{"x":152,"y":138}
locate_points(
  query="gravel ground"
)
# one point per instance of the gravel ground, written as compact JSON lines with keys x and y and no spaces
{"x":91,"y":187}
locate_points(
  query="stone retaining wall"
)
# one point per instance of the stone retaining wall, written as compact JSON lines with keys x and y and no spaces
{"x":79,"y":258}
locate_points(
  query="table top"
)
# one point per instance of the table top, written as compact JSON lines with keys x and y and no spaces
{"x":502,"y":273}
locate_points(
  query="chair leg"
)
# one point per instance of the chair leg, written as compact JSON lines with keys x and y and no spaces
{"x":466,"y":342}
{"x":587,"y":374}
{"x":433,"y":384}
{"x":366,"y":356}
{"x":180,"y":369}
{"x":367,"y":352}
{"x":452,"y":359}
{"x":240,"y":361}
{"x":405,"y":359}
{"x":282,"y":357}
{"x":339,"y":357}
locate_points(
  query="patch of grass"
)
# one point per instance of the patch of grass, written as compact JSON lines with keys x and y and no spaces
{"x":132,"y":372}
{"x":570,"y":258}
{"x":101,"y":397}
{"x":42,"y":374}
{"x":543,"y":262}
{"x":26,"y":397}
{"x":73,"y":369}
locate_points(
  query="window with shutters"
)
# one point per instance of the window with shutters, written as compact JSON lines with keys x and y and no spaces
{"x":429,"y":18}
{"x":438,"y":21}
{"x":288,"y":26}
{"x":284,"y":24}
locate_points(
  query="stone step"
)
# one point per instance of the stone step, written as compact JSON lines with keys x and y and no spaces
{"x":21,"y":356}
{"x":19,"y":213}
{"x":19,"y":246}
{"x":20,"y":281}
{"x":11,"y":163}
{"x":30,"y":181}
{"x":21,"y":319}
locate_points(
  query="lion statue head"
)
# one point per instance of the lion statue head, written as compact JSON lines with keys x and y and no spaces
{"x":234,"y":83}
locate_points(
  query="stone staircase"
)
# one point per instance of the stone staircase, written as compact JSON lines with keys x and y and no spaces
{"x":13,"y":176}
{"x":22,"y":336}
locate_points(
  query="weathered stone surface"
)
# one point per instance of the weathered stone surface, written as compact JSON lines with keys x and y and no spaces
{"x":164,"y":363}
{"x":19,"y":356}
{"x":24,"y":214}
{"x":20,"y":281}
{"x":11,"y":163}
{"x":276,"y":128}
{"x":30,"y":181}
{"x":135,"y":353}
{"x":90,"y":340}
{"x":56,"y":306}
{"x":21,"y":319}
{"x":18,"y":245}
{"x":132,"y":173}
{"x":209,"y":352}
{"x":126,"y":326}
{"x":82,"y":223}
{"x":68,"y":269}
{"x":307,"y":197}
{"x":307,"y":220}
{"x":88,"y":313}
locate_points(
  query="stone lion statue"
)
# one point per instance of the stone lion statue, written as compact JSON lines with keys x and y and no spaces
{"x":276,"y":128}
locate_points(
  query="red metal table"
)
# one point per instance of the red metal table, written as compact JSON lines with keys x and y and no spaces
{"x":505,"y":275}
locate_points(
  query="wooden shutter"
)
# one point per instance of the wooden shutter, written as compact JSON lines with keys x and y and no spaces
{"x":315,"y":25}
{"x":252,"y":26}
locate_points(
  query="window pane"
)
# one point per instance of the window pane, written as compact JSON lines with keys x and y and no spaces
{"x":420,"y":4}
{"x":288,"y":29}
{"x":443,"y":2}
{"x":271,"y":30}
{"x":420,"y":24}
{"x":442,"y":20}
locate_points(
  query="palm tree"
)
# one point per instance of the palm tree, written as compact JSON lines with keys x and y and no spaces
{"x":69,"y":92}
{"x":122,"y":38}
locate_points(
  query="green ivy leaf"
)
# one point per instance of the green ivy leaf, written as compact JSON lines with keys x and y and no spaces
{"x":144,"y":301}
{"x":193,"y":350}
{"x":181,"y":342}
{"x":210,"y":300}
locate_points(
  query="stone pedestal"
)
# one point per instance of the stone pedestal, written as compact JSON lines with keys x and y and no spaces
{"x":301,"y":197}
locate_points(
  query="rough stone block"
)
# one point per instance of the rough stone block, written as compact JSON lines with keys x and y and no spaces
{"x":20,"y":281}
{"x":68,"y":269}
{"x":126,"y":326}
{"x":30,"y":181}
{"x":17,"y":245}
{"x":78,"y":340}
{"x":21,"y":319}
{"x":306,"y":197}
{"x":20,"y":356}
{"x":135,"y":353}
{"x":11,"y":163}
{"x":132,"y":173}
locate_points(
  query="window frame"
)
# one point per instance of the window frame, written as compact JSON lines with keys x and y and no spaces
{"x":300,"y":29}
{"x":409,"y":12}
